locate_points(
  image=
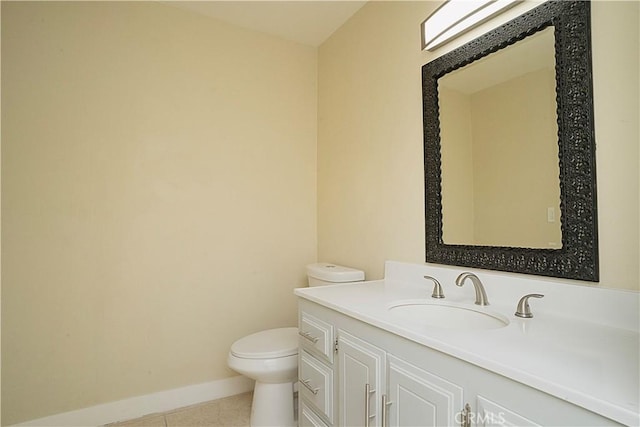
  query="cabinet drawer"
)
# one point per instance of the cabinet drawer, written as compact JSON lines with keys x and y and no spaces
{"x":316,"y":384}
{"x":317,"y":336}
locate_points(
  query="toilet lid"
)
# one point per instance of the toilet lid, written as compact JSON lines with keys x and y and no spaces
{"x":267,"y":344}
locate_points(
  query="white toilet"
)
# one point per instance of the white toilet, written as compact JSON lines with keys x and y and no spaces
{"x":271,"y":357}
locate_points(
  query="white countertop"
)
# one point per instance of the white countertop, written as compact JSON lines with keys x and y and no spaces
{"x":592,"y":365}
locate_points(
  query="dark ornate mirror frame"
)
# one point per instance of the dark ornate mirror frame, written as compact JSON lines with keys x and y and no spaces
{"x":578,"y":257}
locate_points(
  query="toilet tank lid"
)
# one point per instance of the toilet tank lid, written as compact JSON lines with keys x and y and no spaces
{"x":334,"y":273}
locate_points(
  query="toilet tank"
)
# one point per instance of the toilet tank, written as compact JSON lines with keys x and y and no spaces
{"x":330,"y":274}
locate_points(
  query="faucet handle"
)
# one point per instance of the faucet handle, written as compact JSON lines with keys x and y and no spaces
{"x":437,"y":288}
{"x":523,"y":309}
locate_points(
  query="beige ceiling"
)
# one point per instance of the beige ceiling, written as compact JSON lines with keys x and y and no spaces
{"x":309,"y":22}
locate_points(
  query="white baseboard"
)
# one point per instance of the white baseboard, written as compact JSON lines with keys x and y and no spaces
{"x":140,"y":406}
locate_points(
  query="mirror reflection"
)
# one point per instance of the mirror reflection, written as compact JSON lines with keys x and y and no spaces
{"x":499,"y":147}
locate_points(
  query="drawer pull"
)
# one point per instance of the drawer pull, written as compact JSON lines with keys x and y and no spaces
{"x":385,"y":414}
{"x":308,"y":386}
{"x":308,"y":336}
{"x":367,"y":392}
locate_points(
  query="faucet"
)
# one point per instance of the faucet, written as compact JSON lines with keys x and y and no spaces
{"x":481,"y":295}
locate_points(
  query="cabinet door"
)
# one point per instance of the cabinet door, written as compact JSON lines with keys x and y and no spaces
{"x":361,"y":381}
{"x":419,"y":398}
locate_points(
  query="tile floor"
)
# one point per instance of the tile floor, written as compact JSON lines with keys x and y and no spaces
{"x":233,"y":411}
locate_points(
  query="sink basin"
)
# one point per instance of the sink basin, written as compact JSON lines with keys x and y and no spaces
{"x":447,"y":316}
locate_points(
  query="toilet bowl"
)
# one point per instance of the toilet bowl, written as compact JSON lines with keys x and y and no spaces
{"x":271,"y":357}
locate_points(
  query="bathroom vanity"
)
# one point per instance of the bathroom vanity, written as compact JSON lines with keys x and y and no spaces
{"x":384,"y":353}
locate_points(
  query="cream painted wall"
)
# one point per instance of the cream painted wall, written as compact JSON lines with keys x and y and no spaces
{"x":370,"y":156}
{"x":616,"y":73}
{"x":370,"y":161}
{"x":158,"y":194}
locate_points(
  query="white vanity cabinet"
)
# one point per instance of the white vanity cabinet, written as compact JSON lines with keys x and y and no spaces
{"x":371,"y":377}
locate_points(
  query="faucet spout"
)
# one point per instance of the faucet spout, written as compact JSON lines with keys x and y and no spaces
{"x":481,"y":295}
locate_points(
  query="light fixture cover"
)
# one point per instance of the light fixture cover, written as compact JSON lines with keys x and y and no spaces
{"x":455,"y":17}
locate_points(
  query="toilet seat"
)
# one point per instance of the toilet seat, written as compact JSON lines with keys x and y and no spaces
{"x":269,"y":344}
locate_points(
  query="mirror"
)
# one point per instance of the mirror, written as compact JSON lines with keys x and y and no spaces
{"x":500,"y":184}
{"x":510,"y":150}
